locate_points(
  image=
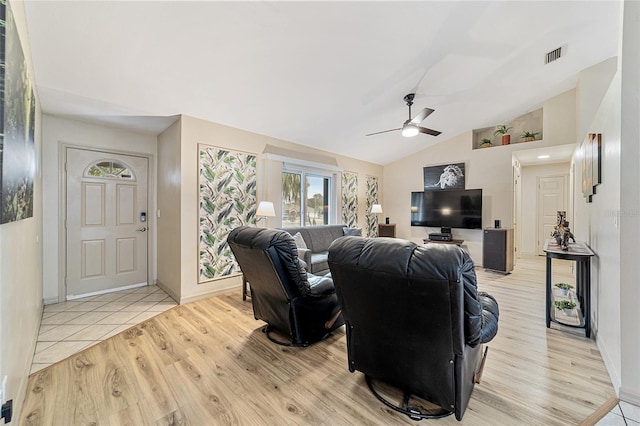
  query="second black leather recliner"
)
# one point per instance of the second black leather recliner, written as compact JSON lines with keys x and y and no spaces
{"x":414,"y":318}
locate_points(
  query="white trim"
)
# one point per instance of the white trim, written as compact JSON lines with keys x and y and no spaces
{"x":109,"y":290}
{"x":51,"y":301}
{"x":304,"y":163}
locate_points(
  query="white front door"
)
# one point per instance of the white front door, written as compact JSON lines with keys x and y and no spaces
{"x":106,"y":224}
{"x":552,"y":196}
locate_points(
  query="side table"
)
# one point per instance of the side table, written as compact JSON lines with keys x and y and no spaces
{"x":580,"y":253}
{"x":387,"y":230}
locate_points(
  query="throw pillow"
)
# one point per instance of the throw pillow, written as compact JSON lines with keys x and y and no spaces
{"x":357,"y":232}
{"x":297,"y":237}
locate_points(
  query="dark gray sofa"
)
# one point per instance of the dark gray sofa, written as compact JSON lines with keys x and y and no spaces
{"x":318,"y":238}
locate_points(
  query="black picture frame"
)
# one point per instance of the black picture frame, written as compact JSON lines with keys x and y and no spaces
{"x":444,"y":177}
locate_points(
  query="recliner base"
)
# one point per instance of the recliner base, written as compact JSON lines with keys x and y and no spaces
{"x":412,"y":412}
{"x":267,"y":330}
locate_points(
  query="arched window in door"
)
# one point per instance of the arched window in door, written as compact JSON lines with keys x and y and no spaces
{"x":110,"y":169}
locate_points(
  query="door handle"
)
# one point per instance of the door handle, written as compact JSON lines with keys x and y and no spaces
{"x":141,"y":229}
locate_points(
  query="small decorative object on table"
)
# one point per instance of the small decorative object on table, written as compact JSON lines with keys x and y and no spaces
{"x":485,"y":143}
{"x":564,"y":288}
{"x":562,"y":232}
{"x":566,"y":306}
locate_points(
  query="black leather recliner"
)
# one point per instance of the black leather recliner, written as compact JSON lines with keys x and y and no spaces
{"x":414,"y":318}
{"x":302,"y":306}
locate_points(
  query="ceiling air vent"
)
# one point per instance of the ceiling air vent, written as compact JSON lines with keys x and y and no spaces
{"x":554,"y":55}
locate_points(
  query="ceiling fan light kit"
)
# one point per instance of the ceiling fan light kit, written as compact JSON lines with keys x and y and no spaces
{"x":410,"y":127}
{"x":409,"y":130}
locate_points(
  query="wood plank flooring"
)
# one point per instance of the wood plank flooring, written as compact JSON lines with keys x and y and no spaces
{"x":208,"y":363}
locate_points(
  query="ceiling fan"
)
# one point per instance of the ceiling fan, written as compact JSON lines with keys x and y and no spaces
{"x":410,"y":127}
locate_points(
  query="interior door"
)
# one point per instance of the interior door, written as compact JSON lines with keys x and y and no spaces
{"x":552,"y":196}
{"x":106,"y":226}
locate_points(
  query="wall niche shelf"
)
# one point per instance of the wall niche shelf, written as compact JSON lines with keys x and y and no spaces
{"x":529,"y":122}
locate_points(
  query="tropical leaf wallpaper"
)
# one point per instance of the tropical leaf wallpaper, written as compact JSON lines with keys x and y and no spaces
{"x":372,"y":198}
{"x":227,"y":200}
{"x":350,"y":199}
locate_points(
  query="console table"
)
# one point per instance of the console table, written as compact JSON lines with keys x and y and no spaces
{"x":580,"y":253}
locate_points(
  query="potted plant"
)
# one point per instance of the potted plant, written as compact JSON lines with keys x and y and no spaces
{"x":564,"y":288}
{"x":503,"y":130}
{"x":529,"y":136}
{"x":566,"y":306}
{"x":484,"y":143}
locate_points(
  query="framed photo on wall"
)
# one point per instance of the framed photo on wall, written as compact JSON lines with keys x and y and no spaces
{"x":444,"y":177}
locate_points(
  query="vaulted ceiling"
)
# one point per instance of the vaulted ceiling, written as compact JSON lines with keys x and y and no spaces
{"x":321,"y":74}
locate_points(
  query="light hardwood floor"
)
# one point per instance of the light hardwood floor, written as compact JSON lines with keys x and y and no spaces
{"x":208,"y":363}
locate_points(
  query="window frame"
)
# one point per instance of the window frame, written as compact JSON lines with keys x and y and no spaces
{"x":305,"y":172}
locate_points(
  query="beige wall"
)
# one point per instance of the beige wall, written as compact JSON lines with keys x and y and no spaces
{"x":21,"y":270}
{"x":195,"y":131}
{"x":58,"y":132}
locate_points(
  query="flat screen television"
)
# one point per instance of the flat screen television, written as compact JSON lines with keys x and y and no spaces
{"x":460,"y":208}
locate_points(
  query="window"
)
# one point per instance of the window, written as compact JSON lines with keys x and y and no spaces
{"x":110,"y":170}
{"x":307,"y":198}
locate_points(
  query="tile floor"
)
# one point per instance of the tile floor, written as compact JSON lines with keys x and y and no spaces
{"x":623,"y":415}
{"x":69,"y":327}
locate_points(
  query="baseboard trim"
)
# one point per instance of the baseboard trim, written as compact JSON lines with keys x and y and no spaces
{"x":631,"y":398}
{"x":24,"y":382}
{"x":51,"y":301}
{"x":212,"y":293}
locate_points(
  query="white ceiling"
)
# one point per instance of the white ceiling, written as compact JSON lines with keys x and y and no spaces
{"x":321,"y":74}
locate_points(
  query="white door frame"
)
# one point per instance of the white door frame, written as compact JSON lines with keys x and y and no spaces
{"x":62,"y":210}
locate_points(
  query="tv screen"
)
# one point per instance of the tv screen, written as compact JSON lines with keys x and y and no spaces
{"x":453,"y":208}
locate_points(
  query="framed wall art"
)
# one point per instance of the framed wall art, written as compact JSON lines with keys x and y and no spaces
{"x":444,"y":177}
{"x":17,"y":122}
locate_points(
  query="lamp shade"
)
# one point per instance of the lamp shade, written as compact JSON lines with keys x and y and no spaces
{"x":265,"y":208}
{"x":376,"y":208}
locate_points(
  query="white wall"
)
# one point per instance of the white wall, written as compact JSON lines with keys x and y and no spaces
{"x":56,"y":132}
{"x":630,"y":205}
{"x":610,"y":224}
{"x":528,"y":211}
{"x":488,"y":168}
{"x":21,"y":269}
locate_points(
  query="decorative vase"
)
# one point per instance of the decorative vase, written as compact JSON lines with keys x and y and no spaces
{"x":568,"y":312}
{"x":529,"y":139}
{"x":506,"y":139}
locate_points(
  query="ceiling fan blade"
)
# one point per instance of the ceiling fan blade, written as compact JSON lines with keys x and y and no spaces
{"x":421,"y":115}
{"x":428,"y":131}
{"x":384,"y":131}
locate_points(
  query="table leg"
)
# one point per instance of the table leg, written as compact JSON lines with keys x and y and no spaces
{"x":587,"y":297}
{"x":548,"y":292}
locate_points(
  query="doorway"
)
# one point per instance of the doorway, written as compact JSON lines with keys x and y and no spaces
{"x":105,"y":222}
{"x":552,"y":197}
